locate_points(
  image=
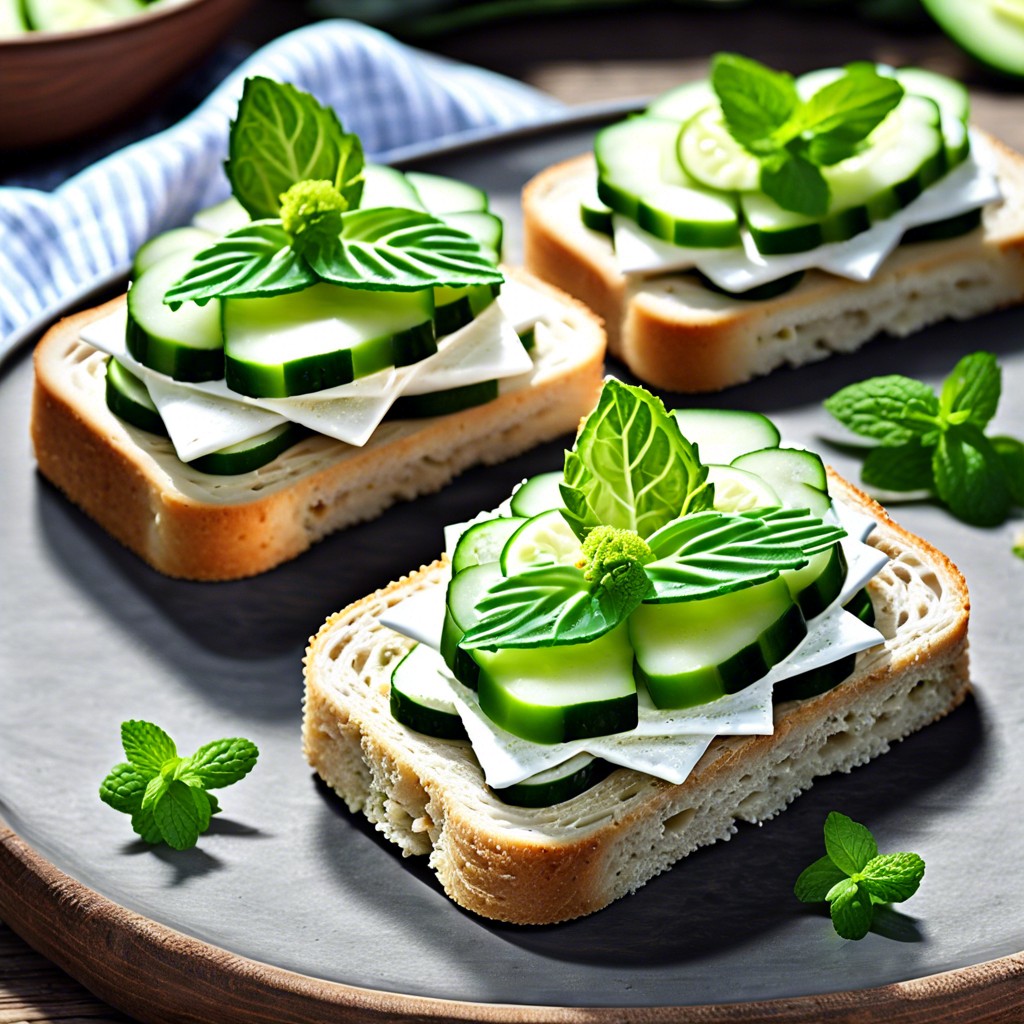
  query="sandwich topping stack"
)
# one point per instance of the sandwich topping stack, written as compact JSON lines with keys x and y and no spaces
{"x":666,"y":636}
{"x":752,"y":220}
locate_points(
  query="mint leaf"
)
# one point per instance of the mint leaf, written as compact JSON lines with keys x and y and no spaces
{"x":969,"y":477}
{"x":796,"y":184}
{"x":220,"y":763}
{"x":282,"y":136}
{"x":756,"y":101}
{"x":798,"y":528}
{"x":181,"y":814}
{"x":892,"y":877}
{"x":878,"y":408}
{"x":816,"y":881}
{"x":253,"y":261}
{"x":830,"y":148}
{"x":124,"y":788}
{"x":848,"y":109}
{"x":145,"y":826}
{"x":631,"y":467}
{"x":901,"y":467}
{"x":155,"y":788}
{"x":972,"y":389}
{"x":146,"y":746}
{"x":391,"y":249}
{"x":851,"y":911}
{"x":848,"y":843}
{"x":1011,"y":455}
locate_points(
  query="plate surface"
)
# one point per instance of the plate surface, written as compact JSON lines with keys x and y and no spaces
{"x":90,"y":636}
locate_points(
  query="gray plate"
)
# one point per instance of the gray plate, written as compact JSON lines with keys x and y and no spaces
{"x":90,"y":636}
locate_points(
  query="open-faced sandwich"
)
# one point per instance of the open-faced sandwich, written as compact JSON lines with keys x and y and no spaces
{"x":332,"y":339}
{"x":750,"y":221}
{"x":681,"y":630}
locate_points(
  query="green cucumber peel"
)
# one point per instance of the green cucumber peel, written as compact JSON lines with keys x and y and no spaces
{"x":853,"y":878}
{"x":166,"y":795}
{"x":937,"y":442}
{"x":794,"y":138}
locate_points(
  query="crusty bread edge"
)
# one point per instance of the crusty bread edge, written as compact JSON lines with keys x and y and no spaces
{"x":103,"y":465}
{"x":675,"y":334}
{"x":515,"y":871}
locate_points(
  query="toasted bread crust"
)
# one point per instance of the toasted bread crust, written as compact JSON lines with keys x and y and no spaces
{"x":552,"y":864}
{"x":187,"y":524}
{"x":676,"y":334}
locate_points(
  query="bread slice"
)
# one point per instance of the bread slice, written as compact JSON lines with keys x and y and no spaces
{"x":189,"y":524}
{"x":539,"y":866}
{"x":674,"y":333}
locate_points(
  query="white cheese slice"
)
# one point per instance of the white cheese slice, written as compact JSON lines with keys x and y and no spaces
{"x":524,"y":306}
{"x":420,"y":616}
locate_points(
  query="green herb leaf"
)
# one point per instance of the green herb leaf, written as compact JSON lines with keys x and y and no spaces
{"x":830,"y":148}
{"x":849,"y":108}
{"x":849,"y":844}
{"x":817,"y":881}
{"x":551,"y":605}
{"x":798,"y":528}
{"x":852,"y":911}
{"x":970,"y":478}
{"x":1011,"y":455}
{"x":972,"y":389}
{"x":756,"y":101}
{"x":390,"y":249}
{"x":796,"y":184}
{"x":220,"y":763}
{"x":182,"y":814}
{"x":283,"y":136}
{"x":124,"y":788}
{"x":878,"y":408}
{"x":901,"y":467}
{"x":146,"y":746}
{"x":155,"y":788}
{"x":892,"y":877}
{"x":631,"y":467}
{"x":145,"y":826}
{"x":253,"y":261}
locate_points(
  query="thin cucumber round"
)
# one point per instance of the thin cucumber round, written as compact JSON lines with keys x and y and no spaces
{"x":486,"y":228}
{"x":711,"y":156}
{"x":817,"y":584}
{"x":722,"y":435}
{"x":760,"y":292}
{"x":940,"y":230}
{"x":443,"y":403}
{"x":954,"y":105}
{"x":557,"y":784}
{"x":595,"y":214}
{"x":421,"y":700}
{"x":556,"y":694}
{"x":456,"y":307}
{"x":186,"y":343}
{"x":188,"y":239}
{"x":321,"y":337}
{"x":128,"y":399}
{"x":545,"y":539}
{"x":465,"y":592}
{"x":386,"y":186}
{"x":682,"y":102}
{"x":736,"y":490}
{"x":538,"y":494}
{"x":781,"y":467}
{"x":250,"y":455}
{"x":694,"y":652}
{"x":483,"y":542}
{"x":222,"y":218}
{"x":440,"y":195}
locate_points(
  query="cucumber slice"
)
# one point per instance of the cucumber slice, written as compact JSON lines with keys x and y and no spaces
{"x":739,"y":491}
{"x":940,"y":230}
{"x":421,"y":700}
{"x":954,"y":105}
{"x":594,"y":213}
{"x":693,"y":217}
{"x":546,"y":539}
{"x":246,"y":456}
{"x":128,"y":398}
{"x":537,"y":494}
{"x":321,"y":337}
{"x":782,"y":467}
{"x":991,"y":31}
{"x":711,"y":156}
{"x":722,"y":435}
{"x":190,"y":240}
{"x":819,"y":582}
{"x":69,"y":15}
{"x":222,"y":218}
{"x":693,"y":652}
{"x":386,"y":186}
{"x":556,"y":694}
{"x":487,"y":228}
{"x":465,"y":592}
{"x":12,"y":19}
{"x":456,"y":307}
{"x":185,"y":343}
{"x":483,"y":542}
{"x":760,"y":292}
{"x":557,"y":784}
{"x":440,"y":195}
{"x":443,"y":403}
{"x":682,"y":102}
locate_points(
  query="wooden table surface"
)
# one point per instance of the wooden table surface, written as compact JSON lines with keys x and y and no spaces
{"x":586,"y":59}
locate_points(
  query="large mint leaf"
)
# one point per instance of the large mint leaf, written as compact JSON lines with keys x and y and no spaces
{"x":283,"y":136}
{"x":900,"y":467}
{"x":892,"y":409}
{"x":849,"y":108}
{"x":256,"y":260}
{"x":796,"y":184}
{"x":848,"y":843}
{"x":391,"y":249}
{"x":818,"y":880}
{"x":851,"y":911}
{"x":972,"y":389}
{"x":712,"y":553}
{"x":893,"y":877}
{"x":756,"y":101}
{"x":798,"y":528}
{"x":146,"y":746}
{"x":631,"y":467}
{"x":220,"y":763}
{"x":970,"y":477}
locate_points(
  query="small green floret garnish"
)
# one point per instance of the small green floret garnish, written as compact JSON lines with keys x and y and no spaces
{"x":166,"y":795}
{"x":853,"y":877}
{"x":312,"y":206}
{"x":614,"y":557}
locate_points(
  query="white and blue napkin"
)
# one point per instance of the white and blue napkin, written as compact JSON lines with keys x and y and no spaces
{"x":56,"y":247}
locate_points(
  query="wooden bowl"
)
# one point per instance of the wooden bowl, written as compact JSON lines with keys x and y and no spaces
{"x":56,"y":85}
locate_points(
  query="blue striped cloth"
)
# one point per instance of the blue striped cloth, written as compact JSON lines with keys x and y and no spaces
{"x":56,"y":247}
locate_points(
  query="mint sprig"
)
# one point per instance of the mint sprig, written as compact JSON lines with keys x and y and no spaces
{"x":853,"y":877}
{"x":936,"y":442}
{"x":792,"y":137}
{"x":167,"y":795}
